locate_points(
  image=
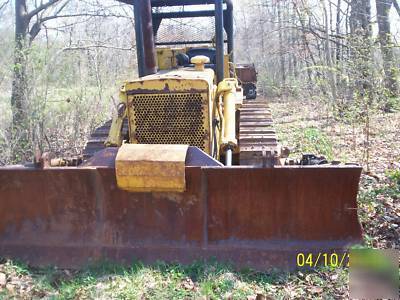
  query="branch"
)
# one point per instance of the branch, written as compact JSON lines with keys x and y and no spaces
{"x":40,"y":8}
{"x":62,"y":7}
{"x":34,"y":31}
{"x":4,"y":5}
{"x":77,"y":15}
{"x":396,"y":6}
{"x":320,"y":37}
{"x":37,"y":26}
{"x":88,"y":47}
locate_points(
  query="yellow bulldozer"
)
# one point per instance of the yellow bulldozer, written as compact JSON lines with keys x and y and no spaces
{"x":188,"y":169}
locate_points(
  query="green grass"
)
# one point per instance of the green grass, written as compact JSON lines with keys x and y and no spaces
{"x":392,"y":104}
{"x":315,"y":141}
{"x":378,"y":208}
{"x":310,"y":140}
{"x":375,"y":195}
{"x":200,"y":280}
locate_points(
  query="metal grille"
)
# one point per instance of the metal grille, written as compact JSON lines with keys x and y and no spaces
{"x":190,"y":29}
{"x":169,"y":119}
{"x":185,"y":29}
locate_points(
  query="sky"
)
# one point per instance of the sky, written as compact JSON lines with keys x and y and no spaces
{"x":6,"y":16}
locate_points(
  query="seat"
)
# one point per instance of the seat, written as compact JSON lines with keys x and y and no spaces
{"x":184,"y":59}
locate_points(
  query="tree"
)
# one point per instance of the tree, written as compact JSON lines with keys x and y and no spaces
{"x":281,"y":51}
{"x":385,"y":40}
{"x":28,"y":24}
{"x":361,"y":56}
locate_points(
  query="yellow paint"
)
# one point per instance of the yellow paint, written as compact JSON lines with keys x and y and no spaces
{"x":180,"y":79}
{"x":161,"y":168}
{"x":115,"y":137}
{"x":199,"y":61}
{"x":179,"y":82}
{"x":151,"y":168}
{"x":230,"y":92}
{"x":166,"y":57}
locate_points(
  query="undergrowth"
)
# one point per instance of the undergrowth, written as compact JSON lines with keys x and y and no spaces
{"x":312,"y":140}
{"x":309,"y":140}
{"x":200,"y":280}
{"x":379,"y":210}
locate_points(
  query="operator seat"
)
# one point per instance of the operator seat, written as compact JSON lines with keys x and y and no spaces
{"x":183,"y":59}
{"x":209,"y":52}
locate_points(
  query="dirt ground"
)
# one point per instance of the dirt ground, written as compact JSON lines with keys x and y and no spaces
{"x":349,"y":141}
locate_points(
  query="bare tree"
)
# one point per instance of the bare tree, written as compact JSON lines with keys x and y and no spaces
{"x":28,"y":24}
{"x":385,"y":40}
{"x":328,"y":55}
{"x":281,"y":51}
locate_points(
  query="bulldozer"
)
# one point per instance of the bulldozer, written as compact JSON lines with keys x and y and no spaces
{"x":188,"y":169}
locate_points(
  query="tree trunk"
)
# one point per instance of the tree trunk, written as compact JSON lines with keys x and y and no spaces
{"x":328,"y":55}
{"x":281,"y":48}
{"x":382,"y":10}
{"x":306,"y":44}
{"x":360,"y":19}
{"x":338,"y":49}
{"x":19,"y":85}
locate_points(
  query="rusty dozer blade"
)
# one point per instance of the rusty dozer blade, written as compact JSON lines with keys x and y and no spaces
{"x":255,"y":217}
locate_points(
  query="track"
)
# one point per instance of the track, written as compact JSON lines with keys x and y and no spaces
{"x":98,"y":137}
{"x":257,"y":137}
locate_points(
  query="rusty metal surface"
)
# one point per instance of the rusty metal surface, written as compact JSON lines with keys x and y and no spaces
{"x":102,"y":158}
{"x":283,"y":203}
{"x":246,"y":73}
{"x":252,"y":217}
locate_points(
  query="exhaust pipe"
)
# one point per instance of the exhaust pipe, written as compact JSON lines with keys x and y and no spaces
{"x":145,"y":46}
{"x":219,"y":34}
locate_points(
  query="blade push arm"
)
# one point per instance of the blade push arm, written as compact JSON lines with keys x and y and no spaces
{"x":231,"y":94}
{"x":115,"y":135}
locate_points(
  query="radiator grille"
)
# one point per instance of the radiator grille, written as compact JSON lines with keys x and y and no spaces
{"x":169,"y":119}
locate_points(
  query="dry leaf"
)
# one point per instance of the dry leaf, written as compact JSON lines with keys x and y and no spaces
{"x":315,"y":290}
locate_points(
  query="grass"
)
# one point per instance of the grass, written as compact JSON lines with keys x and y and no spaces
{"x":313,"y":140}
{"x":379,"y":210}
{"x":309,"y":140}
{"x":200,"y":280}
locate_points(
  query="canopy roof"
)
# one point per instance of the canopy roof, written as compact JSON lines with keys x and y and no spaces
{"x":158,"y":3}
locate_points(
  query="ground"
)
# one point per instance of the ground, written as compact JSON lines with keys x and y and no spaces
{"x":304,"y":127}
{"x":310,"y":128}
